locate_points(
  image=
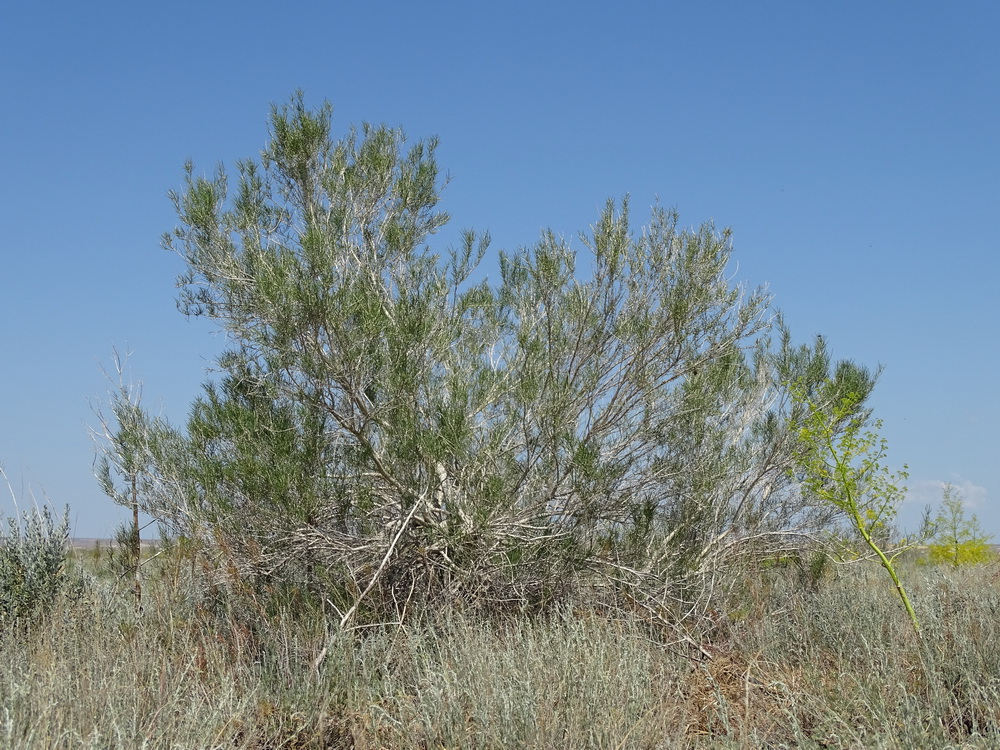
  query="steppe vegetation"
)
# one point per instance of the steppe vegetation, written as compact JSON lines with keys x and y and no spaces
{"x":600,"y":500}
{"x":794,"y":657}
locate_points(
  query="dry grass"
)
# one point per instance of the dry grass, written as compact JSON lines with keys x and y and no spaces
{"x":838,"y":667}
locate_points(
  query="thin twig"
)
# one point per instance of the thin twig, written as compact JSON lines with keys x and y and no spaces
{"x":385,"y":561}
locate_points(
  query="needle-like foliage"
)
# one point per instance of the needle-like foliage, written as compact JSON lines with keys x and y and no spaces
{"x":393,"y":426}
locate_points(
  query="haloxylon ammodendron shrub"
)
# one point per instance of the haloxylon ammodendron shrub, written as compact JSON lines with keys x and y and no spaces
{"x":394,"y":424}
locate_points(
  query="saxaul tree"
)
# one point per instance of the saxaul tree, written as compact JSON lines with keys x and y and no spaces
{"x":121,"y":465}
{"x":392,"y":426}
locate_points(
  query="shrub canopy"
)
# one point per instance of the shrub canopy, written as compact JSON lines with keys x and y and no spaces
{"x":391,"y":425}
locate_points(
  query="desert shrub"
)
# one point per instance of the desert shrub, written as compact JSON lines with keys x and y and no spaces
{"x":392,"y":428}
{"x":33,"y":554}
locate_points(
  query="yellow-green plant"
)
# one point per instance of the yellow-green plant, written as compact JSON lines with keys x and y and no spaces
{"x":841,"y":464}
{"x":958,"y":539}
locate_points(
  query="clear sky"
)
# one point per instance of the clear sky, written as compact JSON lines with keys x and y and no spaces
{"x":853,"y":147}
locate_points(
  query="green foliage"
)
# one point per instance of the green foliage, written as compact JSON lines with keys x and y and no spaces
{"x":391,"y":426}
{"x":958,"y":539}
{"x":124,"y":554}
{"x":33,"y":553}
{"x":124,"y":467}
{"x":840,"y":464}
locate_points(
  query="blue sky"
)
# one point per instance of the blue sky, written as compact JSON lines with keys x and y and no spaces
{"x":853,"y":148}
